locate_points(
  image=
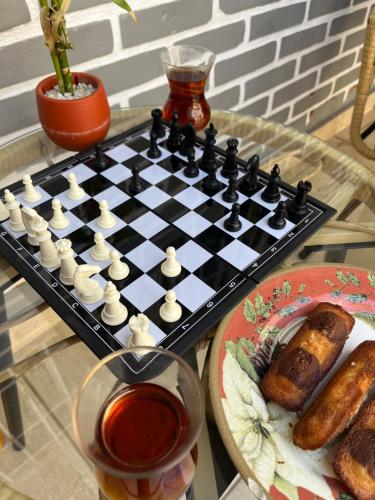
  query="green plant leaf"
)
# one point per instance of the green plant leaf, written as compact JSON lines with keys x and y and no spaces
{"x":287,"y":288}
{"x":368,"y":318}
{"x":249,"y":311}
{"x":286,"y":488}
{"x":245,"y":363}
{"x":260,"y":305}
{"x":301,"y":288}
{"x":266,"y":332}
{"x":341,"y":277}
{"x":354,"y":279}
{"x":124,"y":5}
{"x":231,"y":347}
{"x":248,"y":344}
{"x":357,"y":298}
{"x":329,"y":282}
{"x":371,"y":278}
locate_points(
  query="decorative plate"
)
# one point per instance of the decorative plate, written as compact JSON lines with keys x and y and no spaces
{"x":257,"y":434}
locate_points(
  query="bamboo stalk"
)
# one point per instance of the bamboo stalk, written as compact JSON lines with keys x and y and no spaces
{"x":63,"y":59}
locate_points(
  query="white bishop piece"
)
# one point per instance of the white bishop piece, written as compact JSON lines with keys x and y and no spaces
{"x":30,"y":194}
{"x":28,"y":215}
{"x":59,"y":220}
{"x":75,"y":192}
{"x":4,"y":212}
{"x":117,"y":270}
{"x":68,"y":264}
{"x":113,"y":313}
{"x":170,"y":267}
{"x":89,"y":290}
{"x":13,"y":207}
{"x":48,"y":251}
{"x":106,"y":219}
{"x":138,"y":326}
{"x":100,"y":251}
{"x":170,"y":311}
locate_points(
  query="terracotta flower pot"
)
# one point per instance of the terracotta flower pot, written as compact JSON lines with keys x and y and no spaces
{"x":75,"y":124}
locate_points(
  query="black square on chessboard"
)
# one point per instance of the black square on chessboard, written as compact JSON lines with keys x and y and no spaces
{"x":153,"y":314}
{"x":167,"y":283}
{"x":216,"y":273}
{"x":214,"y":239}
{"x":56,"y":185}
{"x":87,"y":211}
{"x":82,"y":239}
{"x":45,"y":210}
{"x":172,"y":164}
{"x":199,"y":185}
{"x":125,"y":240}
{"x":114,"y":329}
{"x":95,"y":185}
{"x":124,"y":185}
{"x":252,"y":211}
{"x":139,"y":144}
{"x":137,"y":161}
{"x":212,"y":210}
{"x":92,"y":163}
{"x":259,"y":186}
{"x":30,"y":248}
{"x":171,"y":210}
{"x":130,"y":210}
{"x":257,"y":239}
{"x":172,"y":185}
{"x":134,"y":273}
{"x":171,"y":236}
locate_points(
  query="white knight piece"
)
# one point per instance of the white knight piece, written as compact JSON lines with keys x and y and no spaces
{"x":89,"y":290}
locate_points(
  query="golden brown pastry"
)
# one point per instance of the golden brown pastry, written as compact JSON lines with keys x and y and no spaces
{"x":339,"y":401}
{"x":354,"y":460}
{"x":308,"y":357}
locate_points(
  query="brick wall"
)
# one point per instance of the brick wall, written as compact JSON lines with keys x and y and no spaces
{"x":295,"y":61}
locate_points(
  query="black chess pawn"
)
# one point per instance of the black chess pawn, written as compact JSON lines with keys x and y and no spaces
{"x":230,"y":195}
{"x":233,"y":222}
{"x":157,"y":126}
{"x":208,"y":157}
{"x":271,"y":194}
{"x":153,"y":151}
{"x":277,"y":221}
{"x":249,"y":183}
{"x":298,"y":205}
{"x":230,"y":164}
{"x":173,"y":141}
{"x":135,"y":185}
{"x":101,"y":161}
{"x":191,"y":170}
{"x":210,"y":183}
{"x":188,"y":142}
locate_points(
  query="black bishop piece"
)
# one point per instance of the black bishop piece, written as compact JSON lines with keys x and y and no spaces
{"x":153,"y":152}
{"x":210,"y":183}
{"x":298,"y":206}
{"x":272,"y":193}
{"x":135,"y":185}
{"x":230,"y":195}
{"x":101,"y":161}
{"x":277,"y":221}
{"x":173,"y":141}
{"x":230,"y":164}
{"x":191,"y":170}
{"x":157,"y":126}
{"x":208,"y":157}
{"x":233,"y":222}
{"x":249,"y":183}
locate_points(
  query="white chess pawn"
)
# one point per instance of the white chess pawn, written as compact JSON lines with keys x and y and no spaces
{"x":15,"y":215}
{"x":140,"y":336}
{"x":75,"y":192}
{"x":113,"y":313}
{"x":4,"y":212}
{"x":48,"y":251}
{"x":59,"y":220}
{"x":68,"y":264}
{"x":30,"y":194}
{"x":170,"y":311}
{"x":106,"y":219}
{"x":170,"y":267}
{"x":89,"y":290}
{"x":28,"y":215}
{"x":117,"y":270}
{"x":100,"y":251}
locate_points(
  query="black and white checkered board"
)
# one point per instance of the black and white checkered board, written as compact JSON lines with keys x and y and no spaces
{"x":218,"y":267}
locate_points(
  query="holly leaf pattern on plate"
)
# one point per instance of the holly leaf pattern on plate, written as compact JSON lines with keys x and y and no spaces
{"x":249,"y":311}
{"x":371,"y":279}
{"x":356,"y":298}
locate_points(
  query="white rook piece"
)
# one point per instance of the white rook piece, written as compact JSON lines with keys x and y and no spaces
{"x":68,"y":264}
{"x":140,"y":335}
{"x":113,"y":313}
{"x":75,"y":192}
{"x":13,"y":207}
{"x":170,"y":311}
{"x":4,"y":212}
{"x":170,"y":267}
{"x":59,"y":220}
{"x":89,"y":290}
{"x":30,"y":194}
{"x":48,"y":251}
{"x":28,"y":215}
{"x":106,"y":219}
{"x":117,"y":270}
{"x":100,"y":251}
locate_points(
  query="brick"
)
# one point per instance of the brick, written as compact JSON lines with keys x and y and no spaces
{"x":257,"y":108}
{"x":336,"y":67}
{"x":325,"y":111}
{"x":293,"y":90}
{"x":29,"y":58}
{"x":281,"y":116}
{"x":346,"y":79}
{"x":128,"y":73}
{"x":164,"y":20}
{"x":226,"y":99}
{"x":299,"y":124}
{"x":230,"y":6}
{"x":319,"y":56}
{"x":354,"y":39}
{"x":220,"y":39}
{"x":321,"y":8}
{"x":154,"y":97}
{"x":347,"y":22}
{"x":13,"y":13}
{"x":276,"y":20}
{"x":356,"y":2}
{"x":86,"y":4}
{"x":302,"y":39}
{"x":270,"y":79}
{"x":312,"y":99}
{"x":20,"y":111}
{"x":244,"y":63}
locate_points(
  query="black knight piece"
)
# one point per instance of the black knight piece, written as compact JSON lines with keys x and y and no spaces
{"x":233,"y":222}
{"x":191,"y":170}
{"x":173,"y":141}
{"x":208,"y":157}
{"x":136,"y":185}
{"x":298,"y":205}
{"x":187,"y":143}
{"x":277,"y":221}
{"x":157,"y":126}
{"x":230,"y":195}
{"x":210,"y":183}
{"x":249,"y":184}
{"x":101,"y":161}
{"x":153,"y":152}
{"x":230,"y":164}
{"x":272,"y":193}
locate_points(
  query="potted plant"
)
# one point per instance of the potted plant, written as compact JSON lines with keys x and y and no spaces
{"x":73,"y":107}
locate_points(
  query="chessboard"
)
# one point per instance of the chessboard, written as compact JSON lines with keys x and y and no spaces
{"x":229,"y":223}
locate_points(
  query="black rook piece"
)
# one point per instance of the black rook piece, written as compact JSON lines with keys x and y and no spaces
{"x":210,"y":183}
{"x":233,"y":222}
{"x":135,"y":185}
{"x":272,"y":194}
{"x":157,"y":126}
{"x":230,"y":164}
{"x":277,"y":221}
{"x":298,"y":205}
{"x":100,"y":160}
{"x":230,"y":195}
{"x":173,"y":141}
{"x":187,"y":144}
{"x":249,"y":184}
{"x":191,"y":170}
{"x":208,"y":157}
{"x":153,"y":151}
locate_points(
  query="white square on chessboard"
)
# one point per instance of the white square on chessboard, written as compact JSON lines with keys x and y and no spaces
{"x":193,"y":292}
{"x":86,"y":256}
{"x":277,"y":233}
{"x":219,"y":198}
{"x":44,"y":197}
{"x":146,"y":135}
{"x":197,"y":154}
{"x":74,"y":223}
{"x":192,"y":223}
{"x":152,"y":197}
{"x":238,"y":254}
{"x":82,"y":172}
{"x":68,"y":203}
{"x":246,"y":224}
{"x":224,"y":179}
{"x":146,"y":256}
{"x":154,"y":174}
{"x":191,"y":197}
{"x":120,"y":153}
{"x":191,"y":256}
{"x":109,"y":231}
{"x":91,"y":307}
{"x":17,"y":234}
{"x":258,"y":198}
{"x":180,"y":174}
{"x":164,"y":154}
{"x":117,"y":173}
{"x":113,"y":195}
{"x":143,"y":292}
{"x":148,"y":224}
{"x":123,"y":336}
